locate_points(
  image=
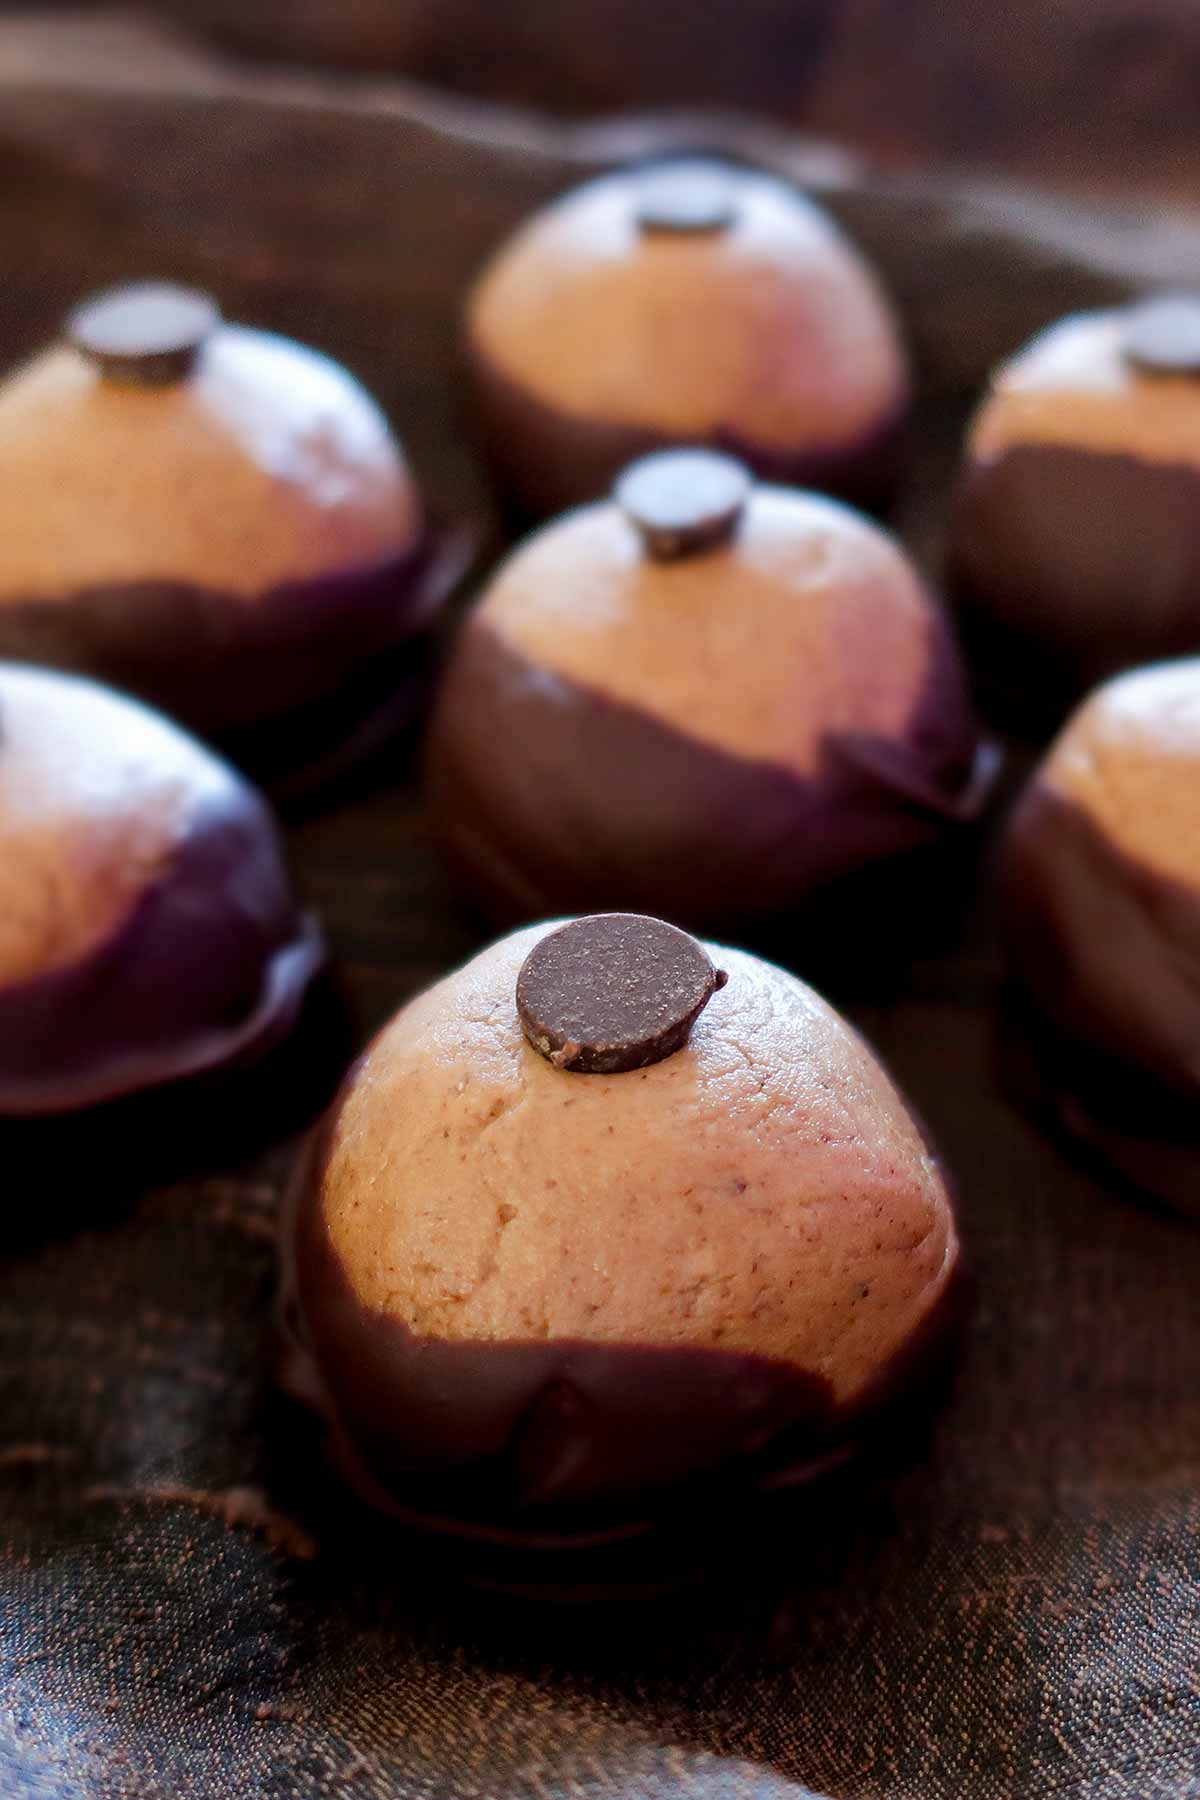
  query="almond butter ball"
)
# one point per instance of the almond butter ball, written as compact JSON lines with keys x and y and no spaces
{"x":605,"y":1210}
{"x":148,"y":929}
{"x":1102,"y":907}
{"x":704,"y":698}
{"x":1074,"y":542}
{"x":686,"y":301}
{"x":215,"y":517}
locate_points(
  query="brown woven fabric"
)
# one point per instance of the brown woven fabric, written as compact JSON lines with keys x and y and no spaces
{"x":190,"y":1607}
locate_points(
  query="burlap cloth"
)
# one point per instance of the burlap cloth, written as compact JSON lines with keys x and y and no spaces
{"x":189,"y":1607}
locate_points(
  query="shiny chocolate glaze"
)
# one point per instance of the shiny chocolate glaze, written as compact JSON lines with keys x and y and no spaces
{"x":551,"y":798}
{"x":210,"y":967}
{"x":228,"y":666}
{"x":561,"y":1445}
{"x":1124,"y":1079}
{"x":544,"y":460}
{"x":1104,"y":1108}
{"x":1071,"y":564}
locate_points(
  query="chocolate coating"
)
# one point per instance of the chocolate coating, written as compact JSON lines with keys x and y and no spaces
{"x":604,"y":1307}
{"x":150,"y":931}
{"x":1075,"y":538}
{"x":696,"y":739}
{"x":612,"y":992}
{"x":1061,"y":585}
{"x":545,"y":461}
{"x":208,"y":658}
{"x":234,"y":537}
{"x":591,"y":340}
{"x":1101,"y":890}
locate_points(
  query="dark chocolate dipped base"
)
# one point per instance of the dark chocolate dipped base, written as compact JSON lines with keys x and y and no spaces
{"x":649,"y":818}
{"x":503,"y":1357}
{"x":254,"y":674}
{"x":208,"y":970}
{"x":1103,"y":1110}
{"x":304,"y":756}
{"x":1069,"y":565}
{"x":626,"y":1463}
{"x":544,"y":460}
{"x":1122,"y":1082}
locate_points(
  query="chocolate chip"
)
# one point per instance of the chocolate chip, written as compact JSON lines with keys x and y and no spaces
{"x":691,"y":196}
{"x":683,"y":501}
{"x":1162,"y":336}
{"x":613,"y":991}
{"x":147,"y":334}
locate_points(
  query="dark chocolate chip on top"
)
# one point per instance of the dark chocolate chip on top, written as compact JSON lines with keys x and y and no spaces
{"x":683,"y":501}
{"x":1162,"y":336}
{"x":613,"y":992}
{"x":147,"y":334}
{"x":691,"y":195}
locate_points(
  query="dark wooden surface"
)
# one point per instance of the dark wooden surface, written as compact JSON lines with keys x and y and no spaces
{"x":188,"y":1604}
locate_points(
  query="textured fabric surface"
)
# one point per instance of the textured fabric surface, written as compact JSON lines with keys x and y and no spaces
{"x":191,"y":1608}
